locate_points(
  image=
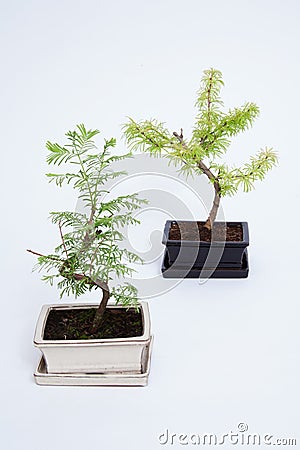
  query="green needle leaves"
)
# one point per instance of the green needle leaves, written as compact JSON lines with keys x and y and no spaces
{"x":210,"y":140}
{"x":89,"y":254}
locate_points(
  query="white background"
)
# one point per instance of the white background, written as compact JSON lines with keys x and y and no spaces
{"x":224,"y":352}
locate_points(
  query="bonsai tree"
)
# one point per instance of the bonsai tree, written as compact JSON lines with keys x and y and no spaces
{"x":89,"y":254}
{"x":210,"y":140}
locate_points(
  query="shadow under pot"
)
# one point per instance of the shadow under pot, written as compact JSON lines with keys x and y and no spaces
{"x":193,"y":251}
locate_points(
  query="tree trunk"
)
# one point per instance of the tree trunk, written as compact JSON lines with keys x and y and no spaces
{"x":102,"y":307}
{"x":206,"y":170}
{"x":214,"y":210}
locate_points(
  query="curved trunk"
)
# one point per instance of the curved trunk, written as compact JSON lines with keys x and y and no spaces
{"x":102,"y":307}
{"x":216,"y":203}
{"x":206,"y":170}
{"x":214,"y":210}
{"x":103,"y":304}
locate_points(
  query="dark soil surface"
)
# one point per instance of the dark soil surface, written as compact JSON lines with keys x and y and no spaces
{"x":75,"y":324}
{"x":195,"y":231}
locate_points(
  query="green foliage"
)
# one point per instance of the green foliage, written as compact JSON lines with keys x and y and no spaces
{"x":210,"y":140}
{"x":149,"y":135}
{"x":89,"y":252}
{"x":125,"y":294}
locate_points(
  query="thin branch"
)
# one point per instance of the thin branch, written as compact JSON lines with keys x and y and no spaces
{"x":250,"y":174}
{"x":209,"y":98}
{"x":200,"y":163}
{"x":85,"y":176}
{"x":45,"y":256}
{"x":35,"y":253}
{"x":93,"y":256}
{"x":180,"y":137}
{"x":62,"y":238}
{"x":93,"y":209}
{"x":146,"y":137}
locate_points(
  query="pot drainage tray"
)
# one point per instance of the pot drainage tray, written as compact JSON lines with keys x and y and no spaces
{"x":42,"y":377}
{"x":175,"y":271}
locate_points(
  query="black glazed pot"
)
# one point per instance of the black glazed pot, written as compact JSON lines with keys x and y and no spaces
{"x":193,"y":258}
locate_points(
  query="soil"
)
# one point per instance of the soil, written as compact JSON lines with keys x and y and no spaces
{"x":75,"y":324}
{"x":189,"y":231}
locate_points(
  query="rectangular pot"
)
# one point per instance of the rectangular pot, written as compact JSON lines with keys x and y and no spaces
{"x":196,"y":254}
{"x":119,"y":355}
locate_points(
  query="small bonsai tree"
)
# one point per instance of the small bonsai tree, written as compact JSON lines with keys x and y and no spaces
{"x":210,"y":139}
{"x":89,"y":254}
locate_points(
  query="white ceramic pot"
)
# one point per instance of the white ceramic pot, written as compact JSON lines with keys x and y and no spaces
{"x":121,"y":355}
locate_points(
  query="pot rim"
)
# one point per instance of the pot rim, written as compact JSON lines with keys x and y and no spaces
{"x":39,"y":341}
{"x":187,"y":242}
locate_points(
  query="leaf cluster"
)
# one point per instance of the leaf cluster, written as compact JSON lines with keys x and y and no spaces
{"x":89,"y":248}
{"x":210,"y":140}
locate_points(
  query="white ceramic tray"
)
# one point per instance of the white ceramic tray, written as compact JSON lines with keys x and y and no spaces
{"x":42,"y":377}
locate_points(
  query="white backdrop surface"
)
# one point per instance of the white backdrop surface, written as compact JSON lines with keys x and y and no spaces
{"x":225,"y":352}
